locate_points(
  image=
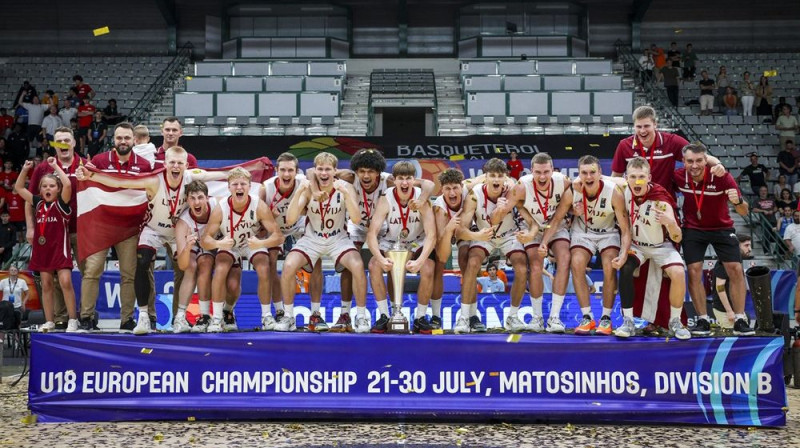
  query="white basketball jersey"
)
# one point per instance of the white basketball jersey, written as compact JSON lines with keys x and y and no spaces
{"x":245,"y":225}
{"x":484,"y":209}
{"x":542,"y":214}
{"x":645,"y":230}
{"x":279,"y":202}
{"x":442,"y":204}
{"x":600,"y":211}
{"x":326,"y":219}
{"x":394,"y":233}
{"x":197,"y":226}
{"x":166,"y":204}
{"x":368,"y":201}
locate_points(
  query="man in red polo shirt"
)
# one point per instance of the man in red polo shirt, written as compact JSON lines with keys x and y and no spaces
{"x":172,"y":130}
{"x":661,"y":150}
{"x":706,"y":221}
{"x":514,"y":166}
{"x":121,"y":159}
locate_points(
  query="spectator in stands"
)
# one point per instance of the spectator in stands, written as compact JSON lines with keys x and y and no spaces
{"x":51,"y":122}
{"x":785,"y":199}
{"x":8,"y":176}
{"x":15,"y":289}
{"x":18,"y":146}
{"x":514,"y":166}
{"x":3,"y":150}
{"x":777,"y":110}
{"x":490,"y":283}
{"x":722,"y":83}
{"x":73,"y":98}
{"x":35,"y":116}
{"x":659,"y":61}
{"x":96,"y":135}
{"x":765,"y":205}
{"x":111,"y":115}
{"x":646,"y":61}
{"x":689,"y":60}
{"x":671,"y":75}
{"x":785,"y":220}
{"x":748,"y":92}
{"x":16,"y":211}
{"x":25,"y":93}
{"x":786,"y":125}
{"x":50,"y":98}
{"x":756,"y":172}
{"x":707,"y":87}
{"x":8,"y":238}
{"x":780,"y":184}
{"x":85,"y":118}
{"x":731,"y":102}
{"x":674,"y":55}
{"x":84,"y":90}
{"x":6,"y":122}
{"x":764,"y":97}
{"x":792,"y":234}
{"x":73,"y":124}
{"x":787,"y":166}
{"x":67,"y":113}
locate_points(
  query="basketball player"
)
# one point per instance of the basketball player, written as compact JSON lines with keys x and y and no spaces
{"x":407,"y":228}
{"x":232,"y":231}
{"x":654,"y":229}
{"x":325,"y":235}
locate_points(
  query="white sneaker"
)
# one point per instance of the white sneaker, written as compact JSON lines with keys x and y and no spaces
{"x":554,"y":325}
{"x":48,"y":326}
{"x":362,"y":324}
{"x":462,"y":326}
{"x":73,"y":326}
{"x":536,"y":324}
{"x":514,"y":324}
{"x":286,"y":323}
{"x":180,"y":325}
{"x":215,"y":326}
{"x":201,"y":324}
{"x":142,"y":325}
{"x":627,"y":329}
{"x":677,"y":329}
{"x":268,"y":323}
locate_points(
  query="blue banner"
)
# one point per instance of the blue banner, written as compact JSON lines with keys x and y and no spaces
{"x":531,"y":377}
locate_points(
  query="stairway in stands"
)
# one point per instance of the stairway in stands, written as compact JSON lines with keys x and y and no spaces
{"x":355,"y":106}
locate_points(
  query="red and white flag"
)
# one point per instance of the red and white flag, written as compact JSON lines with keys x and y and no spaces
{"x":107,"y":215}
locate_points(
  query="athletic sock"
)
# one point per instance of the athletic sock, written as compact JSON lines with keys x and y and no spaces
{"x":182,"y":310}
{"x":740,"y":316}
{"x":555,"y":307}
{"x":436,"y":307}
{"x":314,"y":307}
{"x":346,"y":305}
{"x":278,"y":305}
{"x":421,"y":310}
{"x":675,"y":313}
{"x":217,"y":307}
{"x":606,"y":312}
{"x":383,"y":306}
{"x":536,"y":304}
{"x":361,"y":311}
{"x":289,"y":309}
{"x":265,"y":310}
{"x":627,"y":312}
{"x":587,"y":311}
{"x":227,"y":307}
{"x":205,"y":307}
{"x":702,"y":316}
{"x":513,"y":311}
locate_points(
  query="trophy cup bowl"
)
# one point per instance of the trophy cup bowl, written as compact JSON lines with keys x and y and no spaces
{"x":399,"y":255}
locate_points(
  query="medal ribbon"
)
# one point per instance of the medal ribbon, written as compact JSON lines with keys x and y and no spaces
{"x":43,"y":224}
{"x":640,"y":151}
{"x":366,"y":204}
{"x":324,"y":210}
{"x":241,"y":217}
{"x":276,"y":199}
{"x":546,"y":199}
{"x":586,"y":207}
{"x":173,"y":204}
{"x":698,"y":202}
{"x":404,"y":218}
{"x":634,"y":209}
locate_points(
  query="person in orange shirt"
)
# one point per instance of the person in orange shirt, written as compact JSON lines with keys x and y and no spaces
{"x":659,"y":61}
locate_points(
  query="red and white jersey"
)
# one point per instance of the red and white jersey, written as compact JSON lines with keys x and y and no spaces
{"x":442,"y":204}
{"x":395,"y":227}
{"x":599,"y":210}
{"x":484,"y":209}
{"x":326,"y":219}
{"x":240,"y":226}
{"x":166,"y":204}
{"x":645,"y":230}
{"x":198,"y":227}
{"x":543,"y":206}
{"x":279,"y":202}
{"x":52,"y":229}
{"x":368,"y":201}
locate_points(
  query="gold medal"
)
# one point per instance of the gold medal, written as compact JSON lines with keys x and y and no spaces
{"x":404,"y":233}
{"x":42,"y":240}
{"x":174,"y":220}
{"x":699,"y":216}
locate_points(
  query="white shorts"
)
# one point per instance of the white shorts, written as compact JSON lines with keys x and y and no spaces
{"x":507,"y":245}
{"x":151,"y":239}
{"x":295,"y":232}
{"x":594,"y":242}
{"x":240,"y":254}
{"x":561,"y":234}
{"x":664,"y":255}
{"x":313,"y":248}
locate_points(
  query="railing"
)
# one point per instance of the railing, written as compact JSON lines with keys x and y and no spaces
{"x":772,"y":241}
{"x":141,"y":112}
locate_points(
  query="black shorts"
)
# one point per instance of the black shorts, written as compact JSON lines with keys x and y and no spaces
{"x":725,"y":243}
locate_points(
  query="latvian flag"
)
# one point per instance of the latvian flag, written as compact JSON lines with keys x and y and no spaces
{"x":107,"y":216}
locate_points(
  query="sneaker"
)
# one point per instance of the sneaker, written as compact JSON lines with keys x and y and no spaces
{"x":229,"y":321}
{"x":422,"y":326}
{"x":701,"y":328}
{"x":627,"y":329}
{"x":381,"y":324}
{"x":86,"y":324}
{"x":317,"y":323}
{"x":215,"y":326}
{"x":279,"y":314}
{"x":201,"y":324}
{"x":436,"y":322}
{"x":74,"y":327}
{"x":286,"y":323}
{"x":268,"y":323}
{"x":742,"y":328}
{"x":180,"y":325}
{"x":476,"y":326}
{"x":60,"y":326}
{"x":586,"y":327}
{"x":142,"y":325}
{"x":362,"y":324}
{"x":48,"y":326}
{"x":554,"y":325}
{"x":514,"y":324}
{"x":153,"y":323}
{"x":604,"y":327}
{"x":536,"y":324}
{"x":462,"y":326}
{"x":651,"y":330}
{"x":677,"y":329}
{"x":343,"y":324}
{"x":127,"y":326}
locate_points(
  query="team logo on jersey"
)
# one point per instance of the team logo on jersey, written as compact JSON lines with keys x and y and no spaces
{"x":602,"y":202}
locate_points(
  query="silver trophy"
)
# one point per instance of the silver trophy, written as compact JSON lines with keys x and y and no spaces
{"x":399,"y":256}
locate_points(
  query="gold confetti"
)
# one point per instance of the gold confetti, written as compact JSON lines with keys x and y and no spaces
{"x":507,"y":425}
{"x":197,"y":171}
{"x":285,"y":370}
{"x":605,"y":134}
{"x":100,"y":31}
{"x":752,"y":429}
{"x":594,"y":145}
{"x":770,"y":73}
{"x":666,"y":339}
{"x":457,"y":157}
{"x":462,"y":430}
{"x":570,"y":427}
{"x":295,"y":427}
{"x":513,"y":338}
{"x":98,"y":429}
{"x":470,"y":384}
{"x":192,"y":440}
{"x":158,"y":437}
{"x":59,"y":145}
{"x":336,"y":375}
{"x":147,"y":351}
{"x":400,"y":436}
{"x":188,"y":78}
{"x":459,"y":442}
{"x":568,"y":148}
{"x":678,"y":31}
{"x":785,"y":409}
{"x":639,"y":182}
{"x":265,"y":434}
{"x":29,"y":419}
{"x":191,"y":419}
{"x":494,"y":373}
{"x":437,"y":331}
{"x":387,"y":366}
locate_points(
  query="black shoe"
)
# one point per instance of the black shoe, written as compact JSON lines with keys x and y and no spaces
{"x":61,"y":325}
{"x":381,"y":324}
{"x":229,"y":321}
{"x":153,"y":323}
{"x":87,"y":324}
{"x":436,"y":322}
{"x":422,"y":326}
{"x":742,"y":328}
{"x":475,"y":325}
{"x":278,"y":314}
{"x":128,"y":325}
{"x":701,"y":328}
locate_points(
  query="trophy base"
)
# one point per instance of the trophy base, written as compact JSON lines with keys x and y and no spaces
{"x":398,"y":326}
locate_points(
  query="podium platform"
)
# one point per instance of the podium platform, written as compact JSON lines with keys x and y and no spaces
{"x":489,"y":377}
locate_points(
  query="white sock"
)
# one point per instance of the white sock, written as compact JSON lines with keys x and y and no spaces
{"x":587,"y":311}
{"x":205,"y":307}
{"x":278,"y":305}
{"x":265,"y":310}
{"x":421,"y":310}
{"x":314,"y":307}
{"x":627,"y":312}
{"x":227,"y":307}
{"x":513,"y":311}
{"x":740,"y":316}
{"x":675,"y":313}
{"x":383,"y":306}
{"x":536,"y":304}
{"x":606,"y":312}
{"x":436,"y":307}
{"x":555,"y":307}
{"x":361,"y":311}
{"x":181,"y":310}
{"x":217,"y":309}
{"x":702,"y":316}
{"x":289,"y":309}
{"x":346,"y":306}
